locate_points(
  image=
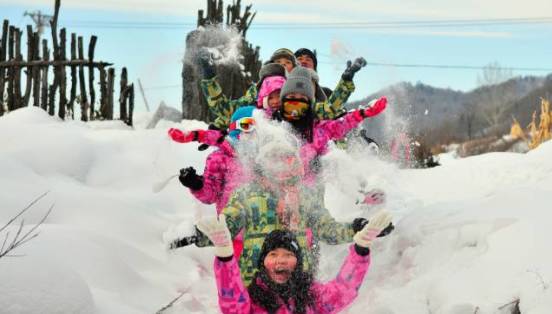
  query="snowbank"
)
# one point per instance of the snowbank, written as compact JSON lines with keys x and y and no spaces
{"x":472,"y":236}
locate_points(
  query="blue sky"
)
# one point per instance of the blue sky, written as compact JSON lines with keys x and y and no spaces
{"x":154,"y":55}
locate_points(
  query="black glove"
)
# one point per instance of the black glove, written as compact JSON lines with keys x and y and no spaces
{"x":206,"y":64}
{"x":359,"y":223}
{"x":353,"y":68}
{"x":178,"y":243}
{"x":190,"y":179}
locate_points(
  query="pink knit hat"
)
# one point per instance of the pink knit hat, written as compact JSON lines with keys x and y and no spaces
{"x":270,"y":84}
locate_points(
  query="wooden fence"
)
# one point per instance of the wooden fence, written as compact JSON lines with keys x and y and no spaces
{"x":43,"y":91}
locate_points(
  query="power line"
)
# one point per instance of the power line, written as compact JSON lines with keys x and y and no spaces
{"x":447,"y":66}
{"x":320,"y":25}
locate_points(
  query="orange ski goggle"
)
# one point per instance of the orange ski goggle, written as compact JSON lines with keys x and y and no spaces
{"x":246,"y":124}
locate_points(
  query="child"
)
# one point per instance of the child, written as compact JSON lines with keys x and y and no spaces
{"x":280,"y":284}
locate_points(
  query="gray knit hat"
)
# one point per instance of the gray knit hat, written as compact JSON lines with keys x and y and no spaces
{"x":299,"y":81}
{"x":270,"y":69}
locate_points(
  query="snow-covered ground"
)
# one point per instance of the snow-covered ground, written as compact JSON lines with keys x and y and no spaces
{"x":472,"y":236}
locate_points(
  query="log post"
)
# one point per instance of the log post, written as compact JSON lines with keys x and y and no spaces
{"x":122,"y":95}
{"x":29,"y":70}
{"x":103,"y":92}
{"x":91,"y":48}
{"x":110,"y":93}
{"x":62,"y":75}
{"x":3,"y":50}
{"x":11,"y":70}
{"x":73,"y":92}
{"x":17,"y":71}
{"x":45,"y":68}
{"x":82,"y":82}
{"x":56,"y":56}
{"x":130,"y":93}
{"x":36,"y":71}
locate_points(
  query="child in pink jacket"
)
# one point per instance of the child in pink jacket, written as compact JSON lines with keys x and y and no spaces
{"x":280,"y":285}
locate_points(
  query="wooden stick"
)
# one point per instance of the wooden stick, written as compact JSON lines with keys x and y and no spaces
{"x":130,"y":104}
{"x":17,"y":71}
{"x":3,"y":50}
{"x":45,"y":57}
{"x":29,"y":72}
{"x":36,"y":71}
{"x":91,"y":48}
{"x":73,"y":93}
{"x":103,"y":93}
{"x":83,"y":97}
{"x":110,"y":93}
{"x":62,"y":75}
{"x":122,"y":95}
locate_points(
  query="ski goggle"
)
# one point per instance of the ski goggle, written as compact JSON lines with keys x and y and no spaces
{"x":294,"y":109}
{"x":246,"y":125}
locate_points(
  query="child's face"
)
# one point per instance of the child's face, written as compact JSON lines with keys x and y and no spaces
{"x":286,"y":63}
{"x":306,"y":61}
{"x":274,"y":100}
{"x":280,"y":264}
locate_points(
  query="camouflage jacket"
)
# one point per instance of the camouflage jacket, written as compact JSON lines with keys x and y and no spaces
{"x":252,"y":208}
{"x":223,"y":108}
{"x":220,"y":106}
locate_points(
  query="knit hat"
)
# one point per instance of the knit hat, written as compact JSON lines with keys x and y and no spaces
{"x":281,"y":239}
{"x":268,"y":70}
{"x":270,"y":84}
{"x":299,"y":81}
{"x":307,"y":52}
{"x":319,"y":93}
{"x":241,"y":112}
{"x":284,"y":53}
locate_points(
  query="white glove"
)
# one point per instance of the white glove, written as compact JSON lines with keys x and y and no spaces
{"x":217,"y":231}
{"x":373,"y":228}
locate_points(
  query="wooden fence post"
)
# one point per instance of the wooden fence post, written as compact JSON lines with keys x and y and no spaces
{"x":45,"y":68}
{"x":130,"y":104}
{"x":3,"y":50}
{"x":36,"y":70}
{"x":82,"y":82}
{"x":110,"y":93}
{"x":62,"y":75}
{"x":30,"y":57}
{"x":17,"y":70}
{"x":73,"y":92}
{"x":91,"y":48}
{"x":122,"y":95}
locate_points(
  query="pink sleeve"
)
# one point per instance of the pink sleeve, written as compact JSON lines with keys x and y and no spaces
{"x":340,"y":292}
{"x":213,"y":178}
{"x":232,"y":294}
{"x":210,"y":137}
{"x":328,"y":130}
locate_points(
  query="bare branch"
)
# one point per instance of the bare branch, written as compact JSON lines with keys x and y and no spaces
{"x":24,"y":210}
{"x":20,"y":237}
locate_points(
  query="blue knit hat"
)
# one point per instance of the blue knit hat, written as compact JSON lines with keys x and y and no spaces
{"x":242,"y":112}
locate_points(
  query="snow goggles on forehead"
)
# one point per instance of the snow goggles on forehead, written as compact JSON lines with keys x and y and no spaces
{"x":294,"y":109}
{"x":246,"y":124}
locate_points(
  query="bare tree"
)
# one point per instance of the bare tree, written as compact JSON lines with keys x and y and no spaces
{"x":11,"y":243}
{"x":494,"y":101}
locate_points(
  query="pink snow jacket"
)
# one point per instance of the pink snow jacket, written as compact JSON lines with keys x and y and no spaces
{"x":331,"y":297}
{"x":222,"y":173}
{"x":324,"y":132}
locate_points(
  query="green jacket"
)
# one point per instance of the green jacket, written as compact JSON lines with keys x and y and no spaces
{"x":253,"y":209}
{"x":223,"y":108}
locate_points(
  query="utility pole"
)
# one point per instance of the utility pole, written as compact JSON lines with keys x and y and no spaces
{"x":40,"y":20}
